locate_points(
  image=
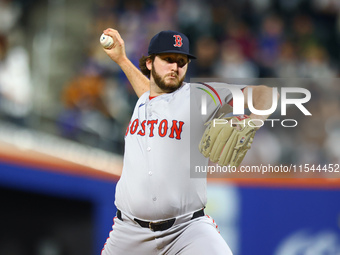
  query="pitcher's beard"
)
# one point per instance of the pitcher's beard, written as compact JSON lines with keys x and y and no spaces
{"x":165,"y":87}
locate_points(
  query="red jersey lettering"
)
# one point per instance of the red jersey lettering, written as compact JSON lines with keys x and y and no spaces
{"x":163,"y":128}
{"x":127,"y":129}
{"x":176,"y":129}
{"x":152,"y":126}
{"x":142,"y":131}
{"x":134,"y":126}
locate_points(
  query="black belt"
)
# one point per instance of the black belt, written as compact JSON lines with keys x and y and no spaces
{"x":160,"y":225}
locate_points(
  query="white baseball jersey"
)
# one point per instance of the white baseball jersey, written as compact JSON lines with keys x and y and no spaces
{"x":155,"y":182}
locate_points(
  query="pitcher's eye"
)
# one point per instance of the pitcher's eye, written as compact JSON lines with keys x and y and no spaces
{"x":168,"y":59}
{"x":181,"y":62}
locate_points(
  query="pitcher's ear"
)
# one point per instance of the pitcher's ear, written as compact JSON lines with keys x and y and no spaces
{"x":148,"y":63}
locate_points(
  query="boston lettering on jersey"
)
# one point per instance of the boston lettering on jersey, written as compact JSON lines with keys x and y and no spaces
{"x":163,"y":127}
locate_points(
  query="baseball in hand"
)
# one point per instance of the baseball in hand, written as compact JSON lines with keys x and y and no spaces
{"x":106,"y":41}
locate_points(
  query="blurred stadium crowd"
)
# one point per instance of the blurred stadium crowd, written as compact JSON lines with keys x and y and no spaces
{"x":282,"y":39}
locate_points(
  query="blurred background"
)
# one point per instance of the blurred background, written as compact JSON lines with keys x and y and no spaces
{"x":64,"y":106}
{"x":55,"y":77}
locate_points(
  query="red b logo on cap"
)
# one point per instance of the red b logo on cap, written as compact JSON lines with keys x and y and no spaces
{"x":178,"y":41}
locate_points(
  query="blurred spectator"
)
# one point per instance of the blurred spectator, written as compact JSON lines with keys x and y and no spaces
{"x":269,"y":42}
{"x":85,"y":117}
{"x":221,"y":13}
{"x":287,"y":64}
{"x":117,"y":102}
{"x":15,"y":83}
{"x":303,"y":33}
{"x":206,"y":51}
{"x":289,"y":6}
{"x":316,"y":63}
{"x":233,"y":64}
{"x":261,"y":6}
{"x":327,"y":5}
{"x":194,"y":18}
{"x":240,"y":32}
{"x":131,"y":24}
{"x":162,"y":16}
{"x":10,"y":12}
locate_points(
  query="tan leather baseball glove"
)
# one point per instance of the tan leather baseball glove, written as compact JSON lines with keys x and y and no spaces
{"x":227,"y":140}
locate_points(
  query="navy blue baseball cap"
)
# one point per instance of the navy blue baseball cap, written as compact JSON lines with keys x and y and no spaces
{"x":170,"y":42}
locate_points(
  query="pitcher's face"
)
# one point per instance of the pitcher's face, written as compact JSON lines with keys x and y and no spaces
{"x":168,"y":71}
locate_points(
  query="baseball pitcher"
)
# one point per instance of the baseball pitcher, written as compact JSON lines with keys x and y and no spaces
{"x":160,"y":209}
